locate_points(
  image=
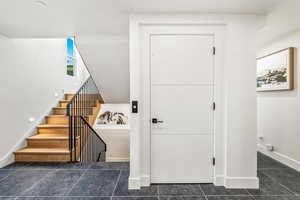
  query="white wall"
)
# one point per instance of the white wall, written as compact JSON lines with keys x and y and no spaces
{"x":279,"y":112}
{"x":284,"y":19}
{"x":33,"y":78}
{"x":236,"y":164}
{"x":106,"y":57}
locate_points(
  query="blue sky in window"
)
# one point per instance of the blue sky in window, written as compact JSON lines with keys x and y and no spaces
{"x":70,"y":51}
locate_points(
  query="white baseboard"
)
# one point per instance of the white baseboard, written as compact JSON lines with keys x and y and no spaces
{"x":219,"y":180}
{"x":134,"y":183}
{"x":117,"y":159}
{"x":145,"y":181}
{"x":242,"y":182}
{"x":10,"y":157}
{"x":280,"y":157}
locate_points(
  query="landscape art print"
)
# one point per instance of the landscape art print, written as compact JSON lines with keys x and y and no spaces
{"x":275,"y":71}
{"x":70,"y":57}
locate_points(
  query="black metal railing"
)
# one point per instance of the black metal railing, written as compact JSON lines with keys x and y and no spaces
{"x":84,"y":142}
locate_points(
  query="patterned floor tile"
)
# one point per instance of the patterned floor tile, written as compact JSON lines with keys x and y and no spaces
{"x":41,"y":165}
{"x":21,"y":180}
{"x":211,"y":189}
{"x":135,"y":198}
{"x":229,"y":198}
{"x":96,"y":183}
{"x":276,"y":198}
{"x":122,"y":188}
{"x":288,"y":177}
{"x":111,"y":165}
{"x":268,"y":186}
{"x":182,"y":198}
{"x":77,"y":165}
{"x":87,"y":198}
{"x":18,"y":165}
{"x":180,"y":189}
{"x":40,"y":198}
{"x":4,"y":173}
{"x":265,"y":162}
{"x":55,"y":184}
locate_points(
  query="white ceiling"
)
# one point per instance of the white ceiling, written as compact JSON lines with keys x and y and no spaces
{"x":25,"y":18}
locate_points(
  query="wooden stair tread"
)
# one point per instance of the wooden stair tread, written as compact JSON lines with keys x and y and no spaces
{"x":43,"y":150}
{"x":87,"y":107}
{"x":51,"y":141}
{"x":64,"y":100}
{"x":48,"y":136}
{"x":53,"y":126}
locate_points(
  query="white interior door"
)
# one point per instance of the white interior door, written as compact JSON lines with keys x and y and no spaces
{"x":182,"y":84}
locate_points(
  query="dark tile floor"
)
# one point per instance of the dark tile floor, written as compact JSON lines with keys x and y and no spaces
{"x":109,"y":181}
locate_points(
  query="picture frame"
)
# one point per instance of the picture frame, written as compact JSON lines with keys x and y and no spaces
{"x":275,"y":71}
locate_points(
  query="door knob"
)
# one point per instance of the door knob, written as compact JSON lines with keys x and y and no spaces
{"x":155,"y":121}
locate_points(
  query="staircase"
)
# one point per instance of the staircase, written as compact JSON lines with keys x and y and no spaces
{"x":51,"y":143}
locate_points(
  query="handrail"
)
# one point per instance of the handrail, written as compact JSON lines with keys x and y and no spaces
{"x":76,"y":94}
{"x":90,"y":127}
{"x":84,"y":142}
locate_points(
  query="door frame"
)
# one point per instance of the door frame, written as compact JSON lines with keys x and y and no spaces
{"x":147,"y":81}
{"x":140,"y":29}
{"x":147,"y":32}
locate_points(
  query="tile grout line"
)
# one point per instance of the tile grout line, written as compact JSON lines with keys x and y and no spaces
{"x":158,"y":197}
{"x":39,"y":181}
{"x":252,"y":196}
{"x":67,"y":192}
{"x":117,"y":182}
{"x":274,"y":180}
{"x":8,"y":175}
{"x":203,"y":193}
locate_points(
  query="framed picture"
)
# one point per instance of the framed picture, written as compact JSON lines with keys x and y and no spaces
{"x":275,"y":71}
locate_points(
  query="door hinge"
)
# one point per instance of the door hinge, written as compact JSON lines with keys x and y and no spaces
{"x":214,"y":161}
{"x":214,"y":50}
{"x":214,"y":106}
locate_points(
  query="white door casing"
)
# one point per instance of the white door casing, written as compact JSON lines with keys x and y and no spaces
{"x":234,"y":63}
{"x":140,"y":171}
{"x":182,"y":95}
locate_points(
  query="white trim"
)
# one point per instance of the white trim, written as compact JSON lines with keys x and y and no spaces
{"x":10,"y":157}
{"x":219,"y":180}
{"x":134,"y":183}
{"x":175,"y":180}
{"x":145,"y":181}
{"x":218,"y":33}
{"x":242,"y":182}
{"x":139,"y":164}
{"x":280,"y":157}
{"x":117,"y":159}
